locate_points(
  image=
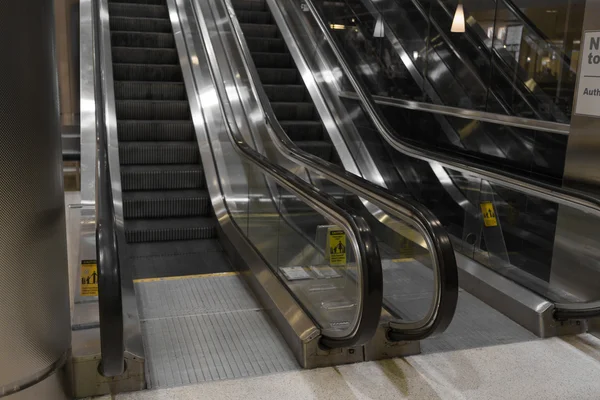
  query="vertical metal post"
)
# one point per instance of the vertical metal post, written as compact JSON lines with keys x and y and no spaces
{"x":34,"y":302}
{"x":575,"y":261}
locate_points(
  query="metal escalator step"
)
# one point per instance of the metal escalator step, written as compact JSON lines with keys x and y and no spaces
{"x":250,"y":5}
{"x":142,"y":39}
{"x":149,"y":91}
{"x":144,"y":55}
{"x":272,"y":60}
{"x":320,"y":149}
{"x":147,"y":72}
{"x":137,"y":153}
{"x":166,"y":204}
{"x":155,"y":2}
{"x":303,"y":130}
{"x":264,"y":44}
{"x":138,"y":10}
{"x":159,"y":230}
{"x":253,"y":17}
{"x":158,"y":130}
{"x":137,"y":24}
{"x":259,"y":30}
{"x":283,"y":76}
{"x":286,"y":92}
{"x":287,"y":111}
{"x":162,"y":177}
{"x":152,"y":110}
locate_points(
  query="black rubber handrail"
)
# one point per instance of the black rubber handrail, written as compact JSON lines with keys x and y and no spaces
{"x":532,"y":27}
{"x":556,"y":194}
{"x":367,"y":252}
{"x":110,"y":302}
{"x":403,"y":208}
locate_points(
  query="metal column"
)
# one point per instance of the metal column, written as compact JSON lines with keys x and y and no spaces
{"x":576,"y":258}
{"x":34,"y":303}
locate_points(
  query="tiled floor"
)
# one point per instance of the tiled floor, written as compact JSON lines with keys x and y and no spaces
{"x":542,"y":369}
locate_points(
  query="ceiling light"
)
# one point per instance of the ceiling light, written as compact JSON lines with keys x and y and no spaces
{"x":458,"y":24}
{"x":378,"y":31}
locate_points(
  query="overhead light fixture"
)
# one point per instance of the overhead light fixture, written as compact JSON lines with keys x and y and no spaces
{"x":378,"y":31}
{"x":415,"y":55}
{"x":458,"y":23}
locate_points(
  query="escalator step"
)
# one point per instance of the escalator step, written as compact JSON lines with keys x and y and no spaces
{"x":144,"y":55}
{"x":132,"y":153}
{"x":249,"y":5}
{"x":149,"y":91}
{"x":253,"y":17}
{"x":303,"y":130}
{"x":167,"y":204}
{"x":285,"y":92}
{"x":152,"y":110}
{"x":137,"y":10}
{"x":159,"y":230}
{"x":320,"y":149}
{"x":272,"y":60}
{"x":283,"y":76}
{"x":266,"y":45}
{"x":147,"y":72}
{"x":162,"y":177}
{"x":155,"y":2}
{"x":142,"y":39}
{"x":259,"y":30}
{"x":286,"y":111}
{"x":140,"y":24}
{"x":156,"y":131}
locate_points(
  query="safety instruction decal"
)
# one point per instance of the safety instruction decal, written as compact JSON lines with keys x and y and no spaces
{"x":89,"y":278}
{"x":336,"y":239}
{"x":489,"y":215}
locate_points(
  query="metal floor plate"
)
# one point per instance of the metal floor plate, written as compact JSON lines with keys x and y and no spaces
{"x":408,"y":289}
{"x":207,"y":328}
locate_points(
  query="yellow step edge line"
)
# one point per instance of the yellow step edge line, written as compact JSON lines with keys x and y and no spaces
{"x":402,"y":259}
{"x":175,"y":278}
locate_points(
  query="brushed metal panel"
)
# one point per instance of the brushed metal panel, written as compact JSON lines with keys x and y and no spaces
{"x":575,"y":265}
{"x":34,"y":292}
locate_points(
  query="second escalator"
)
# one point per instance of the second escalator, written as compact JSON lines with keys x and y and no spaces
{"x":282,"y":81}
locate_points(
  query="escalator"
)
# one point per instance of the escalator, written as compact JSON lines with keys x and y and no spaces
{"x":513,"y":246}
{"x":166,"y":206}
{"x":213,"y":261}
{"x":398,"y":64}
{"x":281,"y":80}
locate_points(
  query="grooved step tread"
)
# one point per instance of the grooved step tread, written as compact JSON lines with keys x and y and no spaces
{"x":132,"y":153}
{"x":167,"y":229}
{"x":140,"y":24}
{"x":166,"y":204}
{"x":162,"y":177}
{"x":155,"y":130}
{"x":145,"y":55}
{"x":144,"y":90}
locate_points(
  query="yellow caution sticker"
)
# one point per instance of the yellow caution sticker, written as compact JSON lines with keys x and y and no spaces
{"x":489,"y":215}
{"x":336,"y":239}
{"x":89,"y":278}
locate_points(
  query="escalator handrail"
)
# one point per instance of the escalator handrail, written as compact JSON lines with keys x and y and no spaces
{"x":564,"y":196}
{"x":400,"y":207}
{"x":107,"y":252}
{"x":493,"y":118}
{"x":532,"y":27}
{"x":359,"y":232}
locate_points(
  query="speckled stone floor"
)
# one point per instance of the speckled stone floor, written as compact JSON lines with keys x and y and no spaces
{"x":557,"y":368}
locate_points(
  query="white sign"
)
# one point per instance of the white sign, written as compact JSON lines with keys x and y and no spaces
{"x":588,"y":91}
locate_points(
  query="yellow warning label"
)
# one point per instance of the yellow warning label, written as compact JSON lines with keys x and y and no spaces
{"x":89,"y":278}
{"x":489,"y":215}
{"x":337,"y":246}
